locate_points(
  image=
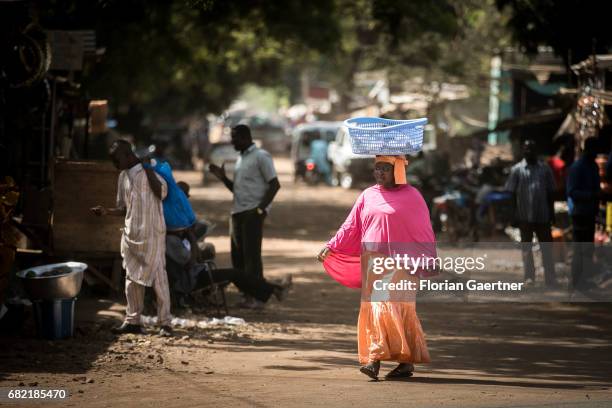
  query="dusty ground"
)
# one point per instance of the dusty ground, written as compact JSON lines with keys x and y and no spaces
{"x":303,"y":352}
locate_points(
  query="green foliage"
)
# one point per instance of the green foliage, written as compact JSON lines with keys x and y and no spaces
{"x":451,"y":40}
{"x":181,"y":56}
{"x":174,"y":57}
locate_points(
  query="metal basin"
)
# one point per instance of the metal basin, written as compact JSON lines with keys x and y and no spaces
{"x":53,"y":287}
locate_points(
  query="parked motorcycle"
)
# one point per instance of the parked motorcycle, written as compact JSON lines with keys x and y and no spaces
{"x":471,"y":207}
{"x":455,"y":214}
{"x":311,"y":173}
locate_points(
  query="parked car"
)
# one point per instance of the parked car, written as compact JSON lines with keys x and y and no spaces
{"x":220,"y":153}
{"x":270,"y":132}
{"x":303,"y":136}
{"x":348,"y":169}
{"x":267,"y":131}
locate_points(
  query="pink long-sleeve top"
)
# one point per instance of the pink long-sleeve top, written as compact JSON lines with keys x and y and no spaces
{"x":382,"y":220}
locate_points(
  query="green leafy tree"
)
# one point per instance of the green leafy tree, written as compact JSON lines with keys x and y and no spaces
{"x":174,"y":57}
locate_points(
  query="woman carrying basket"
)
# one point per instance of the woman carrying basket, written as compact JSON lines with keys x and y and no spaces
{"x":386,"y":215}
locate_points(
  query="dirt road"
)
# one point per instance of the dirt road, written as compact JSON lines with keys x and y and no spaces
{"x":302,"y":352}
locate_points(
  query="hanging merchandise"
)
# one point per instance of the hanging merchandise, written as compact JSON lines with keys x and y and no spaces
{"x":589,"y":114}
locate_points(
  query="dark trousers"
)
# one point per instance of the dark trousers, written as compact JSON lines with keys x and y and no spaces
{"x":583,"y":229}
{"x":544,"y":236}
{"x":246,"y":236}
{"x":215,"y":276}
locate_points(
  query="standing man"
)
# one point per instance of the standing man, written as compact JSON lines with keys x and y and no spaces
{"x":532,"y":184}
{"x":254,"y":187}
{"x":583,"y":194}
{"x":140,"y":192}
{"x":609,"y":168}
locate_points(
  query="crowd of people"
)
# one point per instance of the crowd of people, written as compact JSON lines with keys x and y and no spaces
{"x":533,"y":185}
{"x":160,"y":232}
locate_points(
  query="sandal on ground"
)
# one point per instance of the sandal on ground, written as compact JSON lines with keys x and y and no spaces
{"x":371,"y":369}
{"x":403,"y":370}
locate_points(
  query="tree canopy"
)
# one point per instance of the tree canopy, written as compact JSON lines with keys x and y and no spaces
{"x":177,"y":56}
{"x":185,"y":55}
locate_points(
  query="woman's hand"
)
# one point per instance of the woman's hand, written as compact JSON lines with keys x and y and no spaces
{"x":323,"y":254}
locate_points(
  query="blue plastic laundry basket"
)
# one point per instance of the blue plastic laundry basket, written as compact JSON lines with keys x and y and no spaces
{"x":380,"y":136}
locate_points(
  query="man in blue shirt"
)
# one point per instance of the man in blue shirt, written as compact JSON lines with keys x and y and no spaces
{"x":583,"y":195}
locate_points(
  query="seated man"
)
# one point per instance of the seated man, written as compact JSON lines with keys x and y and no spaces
{"x":186,"y":276}
{"x":200,"y":227}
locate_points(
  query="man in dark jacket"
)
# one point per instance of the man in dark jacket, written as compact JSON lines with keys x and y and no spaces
{"x":583,"y":195}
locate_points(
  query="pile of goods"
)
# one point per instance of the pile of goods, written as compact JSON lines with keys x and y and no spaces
{"x":60,"y":270}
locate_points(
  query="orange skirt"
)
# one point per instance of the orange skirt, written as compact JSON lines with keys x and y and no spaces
{"x":391,"y":331}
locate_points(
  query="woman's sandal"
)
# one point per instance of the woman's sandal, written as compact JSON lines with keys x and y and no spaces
{"x":371,"y":369}
{"x":403,"y":370}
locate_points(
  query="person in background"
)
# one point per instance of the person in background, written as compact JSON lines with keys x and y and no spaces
{"x":559,"y":164}
{"x":201,"y":227}
{"x":10,"y":317}
{"x":583,"y":195}
{"x":318,"y":153}
{"x":254,"y":187}
{"x":187,"y":277}
{"x":140,"y":192}
{"x":609,"y":168}
{"x":609,"y":198}
{"x":185,"y":187}
{"x":532,"y":184}
{"x":206,"y":250}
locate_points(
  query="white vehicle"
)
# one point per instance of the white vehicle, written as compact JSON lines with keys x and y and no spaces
{"x":221,"y":154}
{"x":349,"y":169}
{"x":303,"y":136}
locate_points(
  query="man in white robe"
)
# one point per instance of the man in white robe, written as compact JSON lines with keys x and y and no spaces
{"x":140,"y":192}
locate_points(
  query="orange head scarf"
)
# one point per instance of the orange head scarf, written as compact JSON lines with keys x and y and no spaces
{"x":399,"y":166}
